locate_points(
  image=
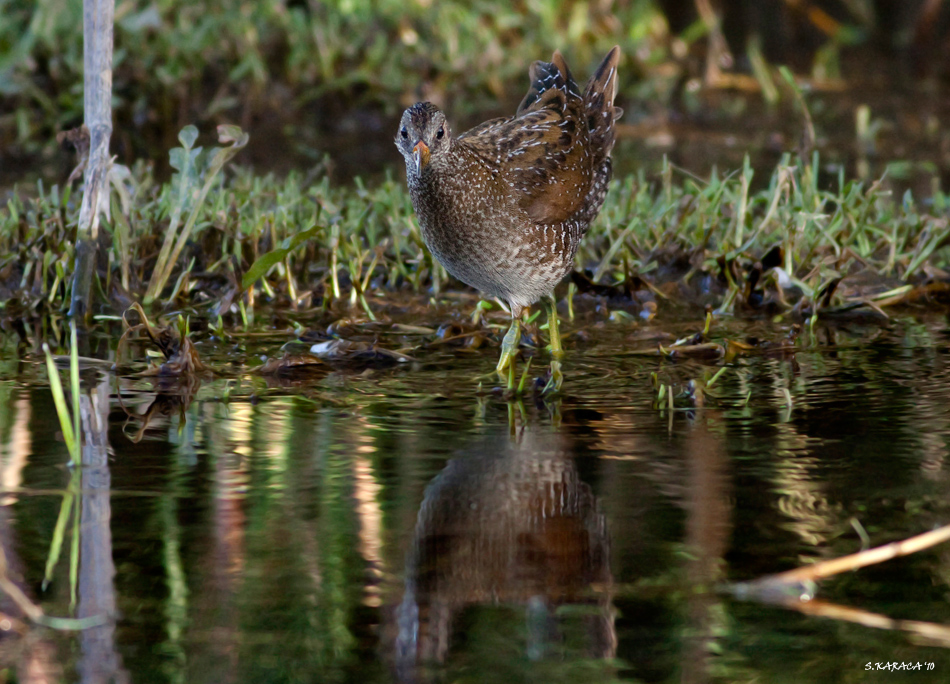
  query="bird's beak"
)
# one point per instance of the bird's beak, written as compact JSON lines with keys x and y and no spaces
{"x":420,"y":155}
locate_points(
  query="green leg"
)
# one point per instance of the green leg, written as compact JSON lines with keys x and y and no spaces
{"x":551,"y":306}
{"x":509,"y":346}
{"x":510,"y":389}
{"x":557,"y":377}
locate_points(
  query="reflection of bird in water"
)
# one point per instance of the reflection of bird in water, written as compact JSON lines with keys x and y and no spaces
{"x":511,"y":524}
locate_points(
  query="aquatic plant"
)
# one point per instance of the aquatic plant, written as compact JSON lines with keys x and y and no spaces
{"x":796,"y":246}
{"x":68,"y":419}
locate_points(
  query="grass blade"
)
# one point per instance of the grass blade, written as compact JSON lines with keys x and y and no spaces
{"x":62,"y":411}
{"x":60,"y":529}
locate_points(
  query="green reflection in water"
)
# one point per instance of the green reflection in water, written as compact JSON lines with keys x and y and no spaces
{"x":275,"y":538}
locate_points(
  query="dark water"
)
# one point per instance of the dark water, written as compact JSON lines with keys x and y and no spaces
{"x":396,"y":525}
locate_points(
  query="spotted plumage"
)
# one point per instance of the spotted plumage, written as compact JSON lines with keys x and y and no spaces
{"x":504,"y":205}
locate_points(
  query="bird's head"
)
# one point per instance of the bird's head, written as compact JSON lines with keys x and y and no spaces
{"x":423,"y":136}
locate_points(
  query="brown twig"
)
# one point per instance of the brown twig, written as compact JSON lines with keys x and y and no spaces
{"x":794,"y":587}
{"x":97,"y":105}
{"x":836,"y":566}
{"x":934,"y":633}
{"x":8,"y":587}
{"x":33,"y":611}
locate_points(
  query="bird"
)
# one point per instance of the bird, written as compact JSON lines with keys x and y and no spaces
{"x":504,"y":205}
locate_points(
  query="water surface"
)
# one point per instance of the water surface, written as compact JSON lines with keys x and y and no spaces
{"x":399,"y":525}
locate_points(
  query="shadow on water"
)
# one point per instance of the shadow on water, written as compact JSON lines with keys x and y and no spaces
{"x":394,"y":525}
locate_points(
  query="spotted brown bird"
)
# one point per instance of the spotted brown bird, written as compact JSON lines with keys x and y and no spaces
{"x":504,"y":205}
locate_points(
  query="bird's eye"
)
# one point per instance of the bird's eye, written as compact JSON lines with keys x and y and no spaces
{"x":440,"y":133}
{"x":405,"y":133}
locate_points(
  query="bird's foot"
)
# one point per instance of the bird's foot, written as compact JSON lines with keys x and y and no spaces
{"x":509,"y":347}
{"x":553,"y":385}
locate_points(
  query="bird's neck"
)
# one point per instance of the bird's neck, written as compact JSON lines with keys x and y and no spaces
{"x":435,"y":194}
{"x":431,"y":179}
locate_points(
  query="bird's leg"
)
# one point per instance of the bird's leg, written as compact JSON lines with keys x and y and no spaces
{"x":557,"y":378}
{"x":509,"y":345}
{"x":510,"y":387}
{"x":553,"y":333}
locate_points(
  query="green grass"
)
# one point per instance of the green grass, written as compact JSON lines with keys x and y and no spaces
{"x":302,"y":241}
{"x":296,"y":66}
{"x":228,"y":60}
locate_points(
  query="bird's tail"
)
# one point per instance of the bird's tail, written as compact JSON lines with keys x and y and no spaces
{"x":599,"y":104}
{"x":547,"y":76}
{"x":601,"y":115}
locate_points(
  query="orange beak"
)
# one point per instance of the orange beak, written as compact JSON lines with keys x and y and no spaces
{"x":420,"y":154}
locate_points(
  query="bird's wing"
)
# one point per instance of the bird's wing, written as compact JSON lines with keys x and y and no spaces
{"x":541,"y":153}
{"x":548,"y":162}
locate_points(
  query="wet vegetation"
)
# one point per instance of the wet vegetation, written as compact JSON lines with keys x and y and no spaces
{"x":275,"y":449}
{"x":227,"y":246}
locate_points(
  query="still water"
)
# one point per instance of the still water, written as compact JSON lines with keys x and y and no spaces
{"x":398,"y":525}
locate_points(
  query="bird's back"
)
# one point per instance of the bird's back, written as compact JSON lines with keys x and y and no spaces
{"x":553,"y":155}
